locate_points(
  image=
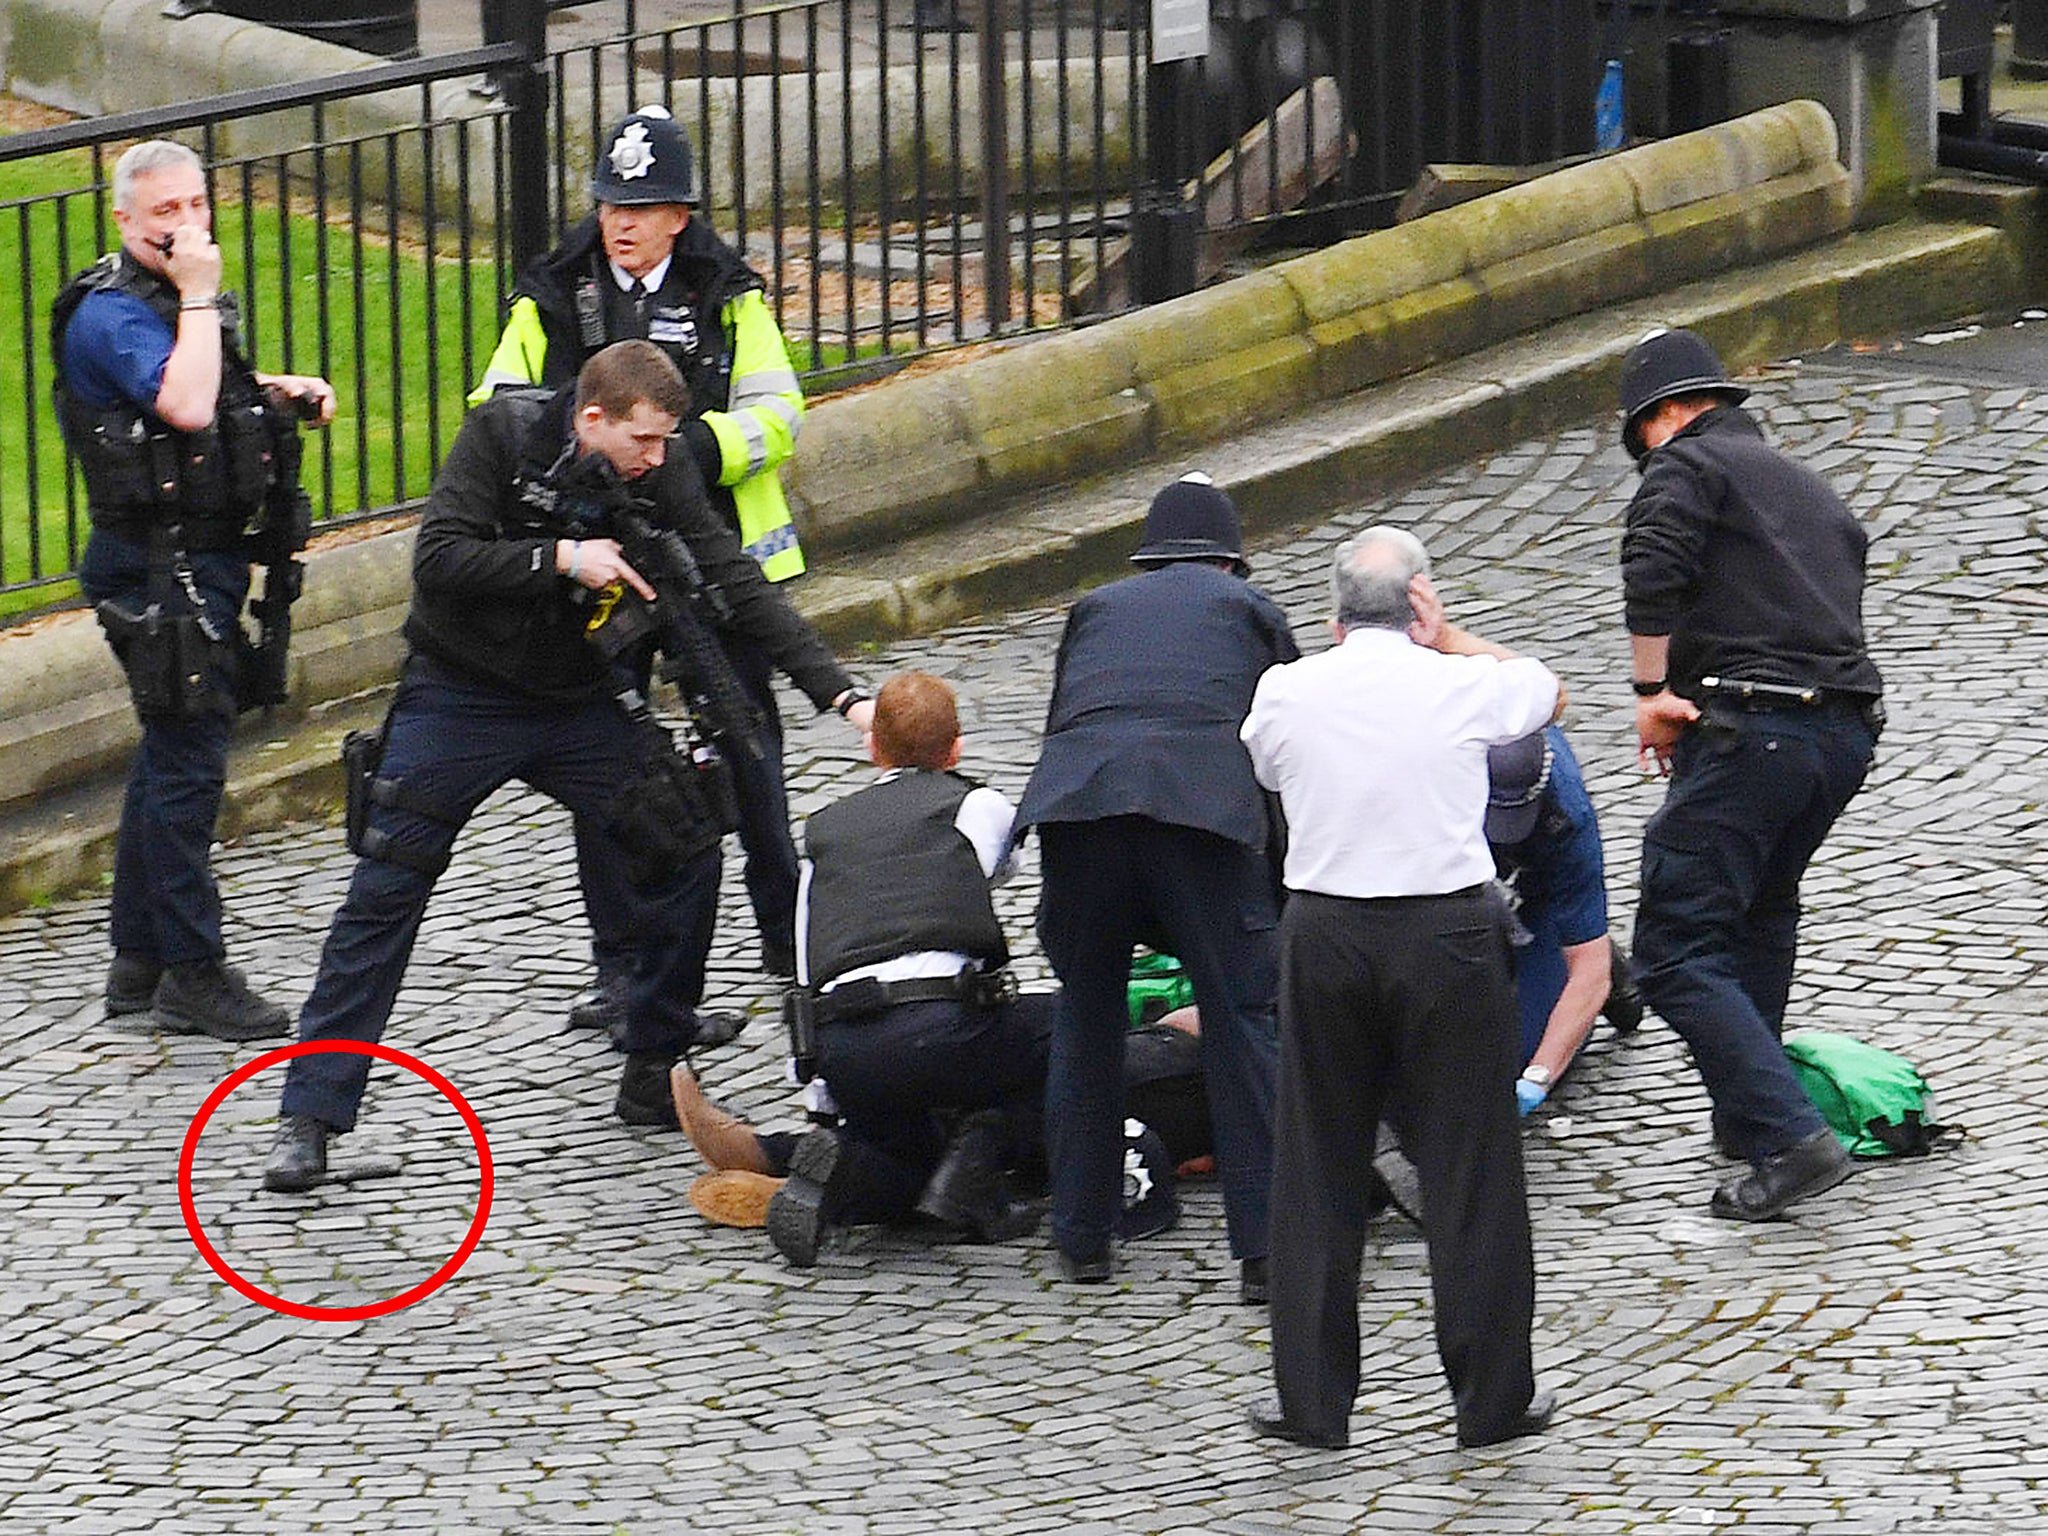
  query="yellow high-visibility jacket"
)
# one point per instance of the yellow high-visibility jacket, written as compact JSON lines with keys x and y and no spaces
{"x":728,"y":346}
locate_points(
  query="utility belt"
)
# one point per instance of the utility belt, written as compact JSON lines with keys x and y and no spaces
{"x":1752,"y":698}
{"x":804,"y":1008}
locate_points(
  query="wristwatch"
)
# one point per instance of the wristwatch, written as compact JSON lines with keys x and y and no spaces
{"x":1541,"y":1076}
{"x":1645,"y":690}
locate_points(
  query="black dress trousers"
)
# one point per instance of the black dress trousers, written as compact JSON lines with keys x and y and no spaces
{"x":1400,"y":1007}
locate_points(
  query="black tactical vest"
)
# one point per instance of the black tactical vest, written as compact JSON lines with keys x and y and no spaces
{"x":891,"y":874}
{"x":141,"y":474}
{"x":679,"y":318}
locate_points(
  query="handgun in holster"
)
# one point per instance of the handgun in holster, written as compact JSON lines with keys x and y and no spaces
{"x":362,"y":754}
{"x":800,"y":1019}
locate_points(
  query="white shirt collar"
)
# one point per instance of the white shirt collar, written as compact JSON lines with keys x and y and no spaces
{"x":653,"y":280}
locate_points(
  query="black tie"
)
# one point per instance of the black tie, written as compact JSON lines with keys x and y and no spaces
{"x":639,"y":295}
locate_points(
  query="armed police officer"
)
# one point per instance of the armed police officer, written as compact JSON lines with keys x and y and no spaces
{"x":1742,"y":577}
{"x":544,"y":501}
{"x":647,"y":265}
{"x":183,"y":447}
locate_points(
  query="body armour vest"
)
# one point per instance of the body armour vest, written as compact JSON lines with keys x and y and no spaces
{"x":891,"y":875}
{"x":141,"y":474}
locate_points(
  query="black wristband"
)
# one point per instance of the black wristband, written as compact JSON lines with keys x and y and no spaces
{"x":1648,"y":690}
{"x":844,"y":704}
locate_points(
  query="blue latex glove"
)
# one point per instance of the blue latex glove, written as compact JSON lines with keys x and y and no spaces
{"x":1528,"y":1095}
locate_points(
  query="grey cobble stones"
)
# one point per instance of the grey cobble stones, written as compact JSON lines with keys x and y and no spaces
{"x":608,"y":1363}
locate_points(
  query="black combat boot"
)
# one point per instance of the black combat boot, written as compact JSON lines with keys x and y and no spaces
{"x":212,"y":998}
{"x":644,"y":1095}
{"x":968,"y":1189}
{"x":131,"y":982}
{"x":298,"y":1155}
{"x":810,"y":1198}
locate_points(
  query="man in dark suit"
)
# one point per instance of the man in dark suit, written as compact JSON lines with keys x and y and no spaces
{"x":1154,"y":831}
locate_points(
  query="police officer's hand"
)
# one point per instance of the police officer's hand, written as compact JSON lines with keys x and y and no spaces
{"x":1660,"y":721}
{"x":597,"y":563}
{"x":193,"y":263}
{"x":287,"y":389}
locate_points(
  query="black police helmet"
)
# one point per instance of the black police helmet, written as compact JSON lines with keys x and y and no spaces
{"x":1192,"y":520}
{"x":645,"y":158}
{"x":1151,"y":1205}
{"x":1665,"y":364}
{"x":1516,"y":776}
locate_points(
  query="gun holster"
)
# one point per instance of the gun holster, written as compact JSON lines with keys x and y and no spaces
{"x":362,"y":754}
{"x":800,"y":1019}
{"x":167,"y":655}
{"x":675,"y":809}
{"x":362,"y":759}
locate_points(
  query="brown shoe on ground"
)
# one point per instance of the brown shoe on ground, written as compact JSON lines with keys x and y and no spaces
{"x":722,"y":1139}
{"x":733,"y":1197}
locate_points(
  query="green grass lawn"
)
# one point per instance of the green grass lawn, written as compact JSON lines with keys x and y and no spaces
{"x":401,"y":370}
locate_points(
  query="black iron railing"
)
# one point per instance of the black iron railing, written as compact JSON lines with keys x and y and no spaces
{"x":906,"y":174}
{"x":369,"y":257}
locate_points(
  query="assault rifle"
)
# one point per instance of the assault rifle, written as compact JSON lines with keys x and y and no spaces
{"x":263,"y":678}
{"x":683,"y":621}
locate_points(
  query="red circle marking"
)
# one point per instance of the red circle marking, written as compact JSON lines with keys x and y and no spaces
{"x":264,"y":1298}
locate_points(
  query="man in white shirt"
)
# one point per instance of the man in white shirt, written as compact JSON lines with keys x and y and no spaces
{"x":1395,"y":991}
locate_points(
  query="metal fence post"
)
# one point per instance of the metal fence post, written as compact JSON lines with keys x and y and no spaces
{"x":524,"y":90}
{"x":1697,"y":66}
{"x":1166,"y":229}
{"x":995,"y":165}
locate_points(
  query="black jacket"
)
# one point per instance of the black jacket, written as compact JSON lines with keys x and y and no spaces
{"x":1748,"y":561}
{"x":1155,"y":675}
{"x":488,"y":602}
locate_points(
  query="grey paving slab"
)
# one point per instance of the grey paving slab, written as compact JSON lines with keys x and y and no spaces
{"x":607,"y":1362}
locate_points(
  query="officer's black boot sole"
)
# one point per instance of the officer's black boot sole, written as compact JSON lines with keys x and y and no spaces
{"x":800,"y":1211}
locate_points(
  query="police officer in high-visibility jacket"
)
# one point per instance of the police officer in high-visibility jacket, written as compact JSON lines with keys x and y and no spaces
{"x":645,"y":266}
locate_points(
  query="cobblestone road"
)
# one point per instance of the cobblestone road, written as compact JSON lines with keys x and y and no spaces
{"x":606,"y":1362}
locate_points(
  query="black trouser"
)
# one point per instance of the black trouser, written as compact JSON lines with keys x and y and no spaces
{"x":1717,"y":927}
{"x":900,"y":1075}
{"x":166,"y":906}
{"x":452,"y":743}
{"x":1129,"y":880}
{"x":1399,"y":1007}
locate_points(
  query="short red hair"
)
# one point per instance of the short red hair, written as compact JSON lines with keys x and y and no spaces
{"x":917,"y":721}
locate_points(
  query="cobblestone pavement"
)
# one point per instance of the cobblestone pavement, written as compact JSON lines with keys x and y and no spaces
{"x":607,"y":1362}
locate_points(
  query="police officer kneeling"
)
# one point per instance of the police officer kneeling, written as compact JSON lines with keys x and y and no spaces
{"x":904,"y":1004}
{"x":182,"y":445}
{"x":523,"y":526}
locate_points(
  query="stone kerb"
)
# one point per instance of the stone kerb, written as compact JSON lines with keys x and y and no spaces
{"x":1372,"y":309}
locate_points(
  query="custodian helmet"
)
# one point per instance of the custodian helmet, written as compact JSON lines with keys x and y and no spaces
{"x":645,"y":158}
{"x":1665,"y":364}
